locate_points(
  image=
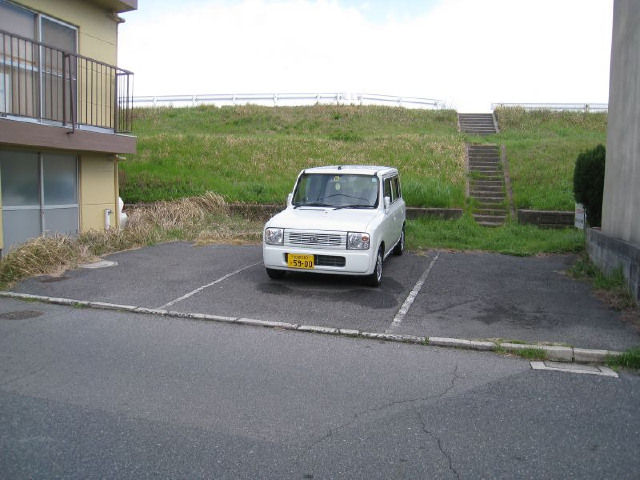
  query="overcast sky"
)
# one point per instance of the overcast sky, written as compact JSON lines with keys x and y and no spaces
{"x":468,"y":53}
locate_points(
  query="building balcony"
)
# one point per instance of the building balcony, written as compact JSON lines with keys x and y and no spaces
{"x":41,"y":87}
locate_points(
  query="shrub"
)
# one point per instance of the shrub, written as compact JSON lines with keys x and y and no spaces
{"x":588,"y":183}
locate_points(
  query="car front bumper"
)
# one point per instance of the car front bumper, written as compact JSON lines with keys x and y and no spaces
{"x":341,"y":262}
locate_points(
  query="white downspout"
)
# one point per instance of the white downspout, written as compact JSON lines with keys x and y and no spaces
{"x":107,"y":220}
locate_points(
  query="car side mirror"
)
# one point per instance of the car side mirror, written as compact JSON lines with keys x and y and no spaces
{"x":289,"y":199}
{"x":387,"y":202}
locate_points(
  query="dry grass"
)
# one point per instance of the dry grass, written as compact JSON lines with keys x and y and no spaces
{"x":610,"y":289}
{"x":204,"y":220}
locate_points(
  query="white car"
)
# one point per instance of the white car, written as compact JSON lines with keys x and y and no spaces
{"x":339,"y":220}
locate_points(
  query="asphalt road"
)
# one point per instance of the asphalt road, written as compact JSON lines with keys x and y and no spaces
{"x":88,"y":394}
{"x":464,"y":295}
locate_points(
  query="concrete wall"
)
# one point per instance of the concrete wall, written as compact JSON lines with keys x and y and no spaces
{"x":547,"y":218}
{"x":617,"y":246}
{"x":613,"y":254}
{"x":621,"y":203}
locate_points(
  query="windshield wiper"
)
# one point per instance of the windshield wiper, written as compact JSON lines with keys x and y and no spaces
{"x":353,"y":206}
{"x":312,"y":205}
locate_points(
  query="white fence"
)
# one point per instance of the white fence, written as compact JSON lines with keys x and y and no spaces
{"x":291,"y":99}
{"x":580,"y":107}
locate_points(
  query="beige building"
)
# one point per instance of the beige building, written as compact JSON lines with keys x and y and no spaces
{"x":65,"y":116}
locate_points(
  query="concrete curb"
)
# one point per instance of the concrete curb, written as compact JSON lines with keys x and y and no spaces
{"x":553,"y":352}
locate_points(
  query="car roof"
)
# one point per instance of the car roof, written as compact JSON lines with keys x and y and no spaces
{"x":352,"y":169}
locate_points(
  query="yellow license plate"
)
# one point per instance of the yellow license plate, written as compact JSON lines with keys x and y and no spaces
{"x":296,"y":260}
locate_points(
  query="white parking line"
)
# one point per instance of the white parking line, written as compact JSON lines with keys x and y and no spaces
{"x":397,"y":320}
{"x":199,"y":289}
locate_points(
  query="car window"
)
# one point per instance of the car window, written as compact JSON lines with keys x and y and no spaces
{"x":392,"y":188}
{"x":387,"y":188}
{"x":397,"y":193}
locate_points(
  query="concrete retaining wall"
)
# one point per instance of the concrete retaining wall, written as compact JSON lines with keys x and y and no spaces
{"x":443,"y":213}
{"x":610,"y":254}
{"x":266,"y":211}
{"x":546,"y":218}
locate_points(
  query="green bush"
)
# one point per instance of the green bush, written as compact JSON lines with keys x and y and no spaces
{"x":588,"y":183}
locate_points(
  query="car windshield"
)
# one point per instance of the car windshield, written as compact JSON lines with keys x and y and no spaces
{"x":336,"y":190}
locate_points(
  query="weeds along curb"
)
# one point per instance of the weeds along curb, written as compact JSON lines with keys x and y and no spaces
{"x":549,"y":352}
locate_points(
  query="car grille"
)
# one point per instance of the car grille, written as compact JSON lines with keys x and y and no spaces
{"x":330,"y":261}
{"x":312,"y":239}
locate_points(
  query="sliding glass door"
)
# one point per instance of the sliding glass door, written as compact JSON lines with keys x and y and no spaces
{"x":39,"y":195}
{"x":37,"y":80}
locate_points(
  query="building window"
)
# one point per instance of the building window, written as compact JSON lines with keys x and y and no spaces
{"x":39,"y":195}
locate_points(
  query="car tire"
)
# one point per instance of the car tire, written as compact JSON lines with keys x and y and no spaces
{"x":375,"y":279}
{"x":275,"y":274}
{"x":399,"y":248}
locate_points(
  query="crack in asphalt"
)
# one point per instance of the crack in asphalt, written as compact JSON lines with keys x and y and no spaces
{"x":390,"y":405}
{"x":432,"y":434}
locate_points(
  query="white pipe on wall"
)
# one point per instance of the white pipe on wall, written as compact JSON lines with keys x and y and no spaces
{"x":107,"y":220}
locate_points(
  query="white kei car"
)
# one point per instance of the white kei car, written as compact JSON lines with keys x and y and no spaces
{"x":339,"y":220}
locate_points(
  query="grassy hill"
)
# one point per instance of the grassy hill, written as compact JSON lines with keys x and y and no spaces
{"x":542,"y":147}
{"x":253,"y":154}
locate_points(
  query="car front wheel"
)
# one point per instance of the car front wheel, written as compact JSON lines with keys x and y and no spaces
{"x":375,"y":279}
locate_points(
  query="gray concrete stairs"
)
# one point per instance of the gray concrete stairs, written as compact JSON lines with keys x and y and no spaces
{"x":477,"y":123}
{"x":487,"y":185}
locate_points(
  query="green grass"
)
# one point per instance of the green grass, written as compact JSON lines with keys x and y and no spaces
{"x":511,"y":239}
{"x":630,"y":359}
{"x":542,"y":147}
{"x":253,"y":153}
{"x":532,"y":353}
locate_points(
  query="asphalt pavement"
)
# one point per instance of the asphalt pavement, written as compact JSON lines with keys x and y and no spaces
{"x":437,"y":293}
{"x":92,"y":394}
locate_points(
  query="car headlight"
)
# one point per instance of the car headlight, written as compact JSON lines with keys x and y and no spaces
{"x":358,"y":241}
{"x":274,"y":236}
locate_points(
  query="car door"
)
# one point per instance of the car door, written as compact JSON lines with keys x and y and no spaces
{"x":393,"y":215}
{"x":397,"y":207}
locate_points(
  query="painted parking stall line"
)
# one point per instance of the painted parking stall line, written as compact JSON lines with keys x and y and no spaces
{"x":203,"y":287}
{"x":397,"y":320}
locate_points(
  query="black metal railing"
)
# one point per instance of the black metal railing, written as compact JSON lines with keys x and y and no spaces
{"x":47,"y":84}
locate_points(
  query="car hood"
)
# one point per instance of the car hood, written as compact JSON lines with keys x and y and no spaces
{"x":313,"y":218}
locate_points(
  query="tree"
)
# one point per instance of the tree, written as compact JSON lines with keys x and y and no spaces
{"x":588,"y":183}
